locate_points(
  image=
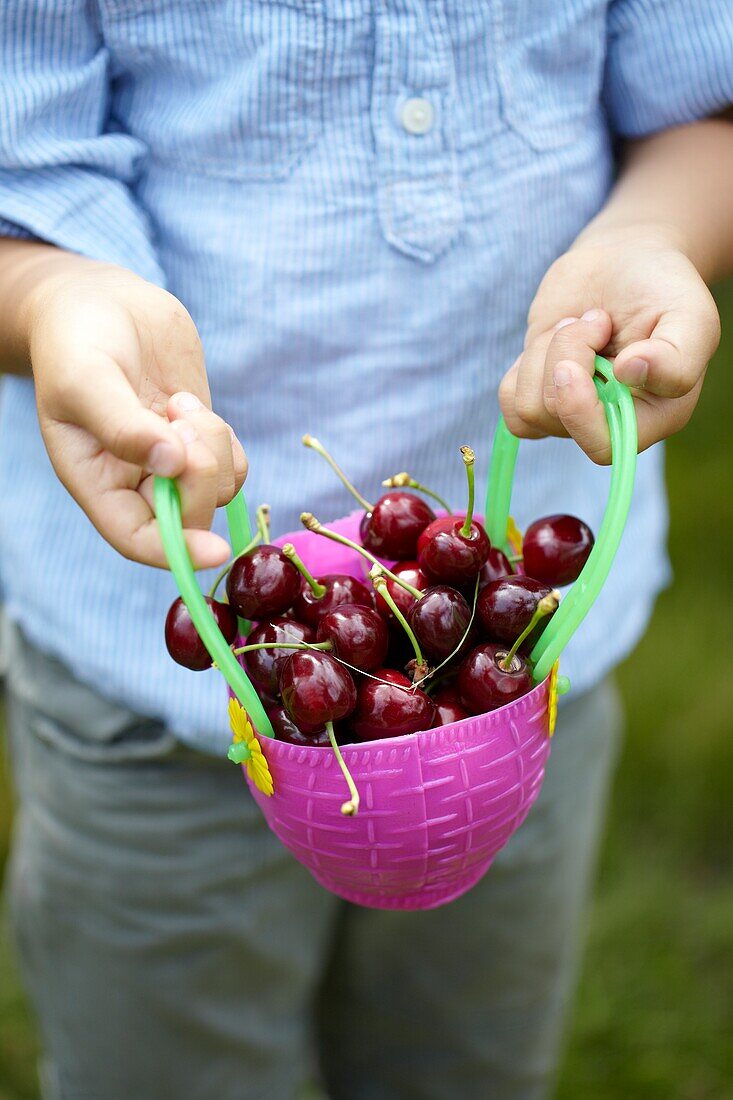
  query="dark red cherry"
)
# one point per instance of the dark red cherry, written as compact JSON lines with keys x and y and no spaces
{"x":484,"y":685}
{"x":410,"y":572}
{"x":448,"y":707}
{"x":390,"y":709}
{"x":263,"y":665}
{"x":505,"y":607}
{"x":496,"y":565}
{"x":358,"y":635}
{"x":286,"y":729}
{"x":450,"y":557}
{"x":439,"y":525}
{"x":364,"y":525}
{"x":182,"y":638}
{"x":341,"y":588}
{"x":439,"y":621}
{"x":556,"y":548}
{"x":397,"y":520}
{"x":315,"y":688}
{"x":262,"y":582}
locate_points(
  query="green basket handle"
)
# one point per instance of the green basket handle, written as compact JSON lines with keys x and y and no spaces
{"x":168,"y":513}
{"x":621,"y":416}
{"x":619,"y":407}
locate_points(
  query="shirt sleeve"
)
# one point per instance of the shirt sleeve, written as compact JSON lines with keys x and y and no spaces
{"x":65,"y":170}
{"x":668,"y":62}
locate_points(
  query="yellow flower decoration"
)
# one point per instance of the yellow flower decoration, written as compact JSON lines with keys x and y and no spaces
{"x":513,"y":536}
{"x":245,"y":749}
{"x":552,"y":702}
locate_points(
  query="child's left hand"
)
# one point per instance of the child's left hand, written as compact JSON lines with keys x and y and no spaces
{"x":629,"y":293}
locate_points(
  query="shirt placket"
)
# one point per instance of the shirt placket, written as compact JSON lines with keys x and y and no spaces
{"x":420,"y":207}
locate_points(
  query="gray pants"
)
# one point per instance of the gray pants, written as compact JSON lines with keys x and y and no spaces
{"x":173,"y":949}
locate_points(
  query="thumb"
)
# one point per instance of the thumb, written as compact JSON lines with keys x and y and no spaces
{"x":105,"y":405}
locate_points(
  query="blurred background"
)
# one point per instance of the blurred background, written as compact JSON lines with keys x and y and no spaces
{"x":654,"y":1014}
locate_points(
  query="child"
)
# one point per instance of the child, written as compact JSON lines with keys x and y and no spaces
{"x":325,"y":216}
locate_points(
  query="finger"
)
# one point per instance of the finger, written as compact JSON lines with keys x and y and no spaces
{"x":581,"y":411}
{"x":674,"y":359}
{"x":507,"y":404}
{"x":218,"y":437}
{"x":660,"y":417}
{"x":578,"y":343}
{"x":198,"y":485}
{"x":103,"y":402}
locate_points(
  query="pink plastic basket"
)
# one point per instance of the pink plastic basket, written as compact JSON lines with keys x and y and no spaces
{"x":436,"y":806}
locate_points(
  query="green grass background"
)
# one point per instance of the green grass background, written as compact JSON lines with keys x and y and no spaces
{"x":654,"y":1014}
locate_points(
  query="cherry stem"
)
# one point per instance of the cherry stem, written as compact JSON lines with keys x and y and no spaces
{"x":404,"y":481}
{"x":350,"y":808}
{"x":544,"y":607}
{"x":310,"y":522}
{"x":325,"y":647}
{"x":317,"y":446}
{"x":220,"y":577}
{"x":319,"y":590}
{"x":263,"y":521}
{"x":380,"y":584}
{"x":469,"y":458}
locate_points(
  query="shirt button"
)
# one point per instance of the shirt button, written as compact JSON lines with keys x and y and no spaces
{"x":417,"y":115}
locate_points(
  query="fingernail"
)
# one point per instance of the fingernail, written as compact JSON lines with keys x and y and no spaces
{"x":562,"y":375}
{"x":635,"y":371}
{"x":565,"y":321}
{"x":592,"y":315}
{"x":186,"y":431}
{"x":163,"y":460}
{"x":187,"y":402}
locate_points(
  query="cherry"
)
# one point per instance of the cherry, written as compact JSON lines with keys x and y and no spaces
{"x":439,"y":525}
{"x":286,"y":729}
{"x":358,"y":635}
{"x":483,"y":684}
{"x":556,"y":548}
{"x":262,"y":582}
{"x":182,"y":639}
{"x":496,"y":565}
{"x":391,"y":708}
{"x":398,"y":518}
{"x":448,"y":706}
{"x":505,"y":607}
{"x":340,"y":589}
{"x":455,"y":555}
{"x":315,"y":688}
{"x":439,"y":621}
{"x":411,"y":572}
{"x":263,"y":665}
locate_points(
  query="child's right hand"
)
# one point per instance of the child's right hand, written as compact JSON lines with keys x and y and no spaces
{"x":122,"y":394}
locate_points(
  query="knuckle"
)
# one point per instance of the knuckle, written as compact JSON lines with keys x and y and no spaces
{"x":529,"y":410}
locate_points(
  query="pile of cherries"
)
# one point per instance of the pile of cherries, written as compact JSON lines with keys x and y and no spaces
{"x":441,"y":628}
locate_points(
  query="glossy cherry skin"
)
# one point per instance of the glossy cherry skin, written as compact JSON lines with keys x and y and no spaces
{"x":450,"y":557}
{"x":397,"y":520}
{"x":505,"y":607}
{"x":316,"y":689}
{"x":263,"y":665}
{"x":262,"y":583}
{"x":556,"y":548}
{"x":448,"y":707}
{"x":286,"y":729}
{"x":341,"y":588}
{"x":496,"y":565}
{"x":439,"y":525}
{"x":410,"y":572}
{"x":182,"y":639}
{"x":483,"y":685}
{"x":390,"y":709}
{"x":358,"y":635}
{"x":439,"y":621}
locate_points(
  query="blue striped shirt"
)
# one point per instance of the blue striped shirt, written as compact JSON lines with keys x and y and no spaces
{"x":356,"y":201}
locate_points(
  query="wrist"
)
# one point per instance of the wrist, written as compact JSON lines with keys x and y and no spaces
{"x":607,"y":232}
